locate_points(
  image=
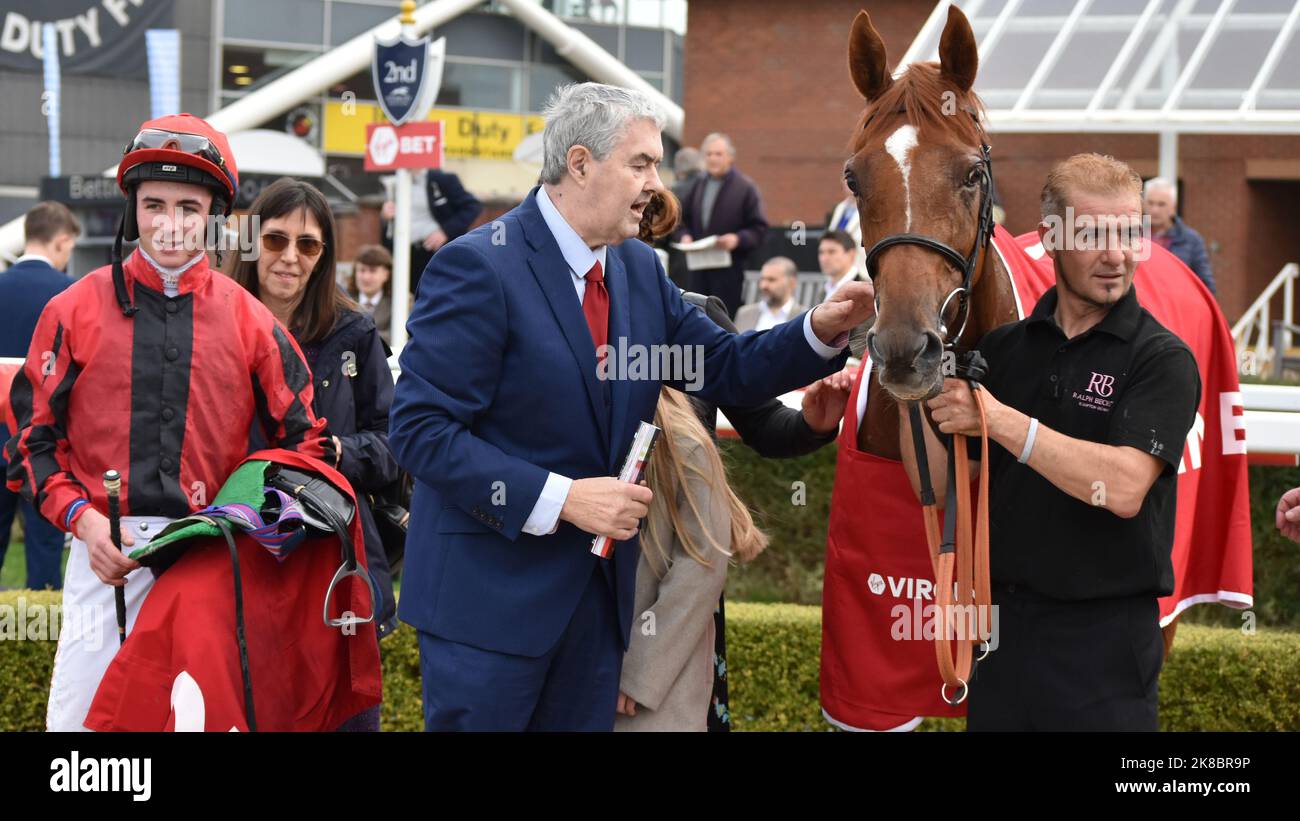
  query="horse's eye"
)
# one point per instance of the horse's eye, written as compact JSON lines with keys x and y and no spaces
{"x":972,"y":177}
{"x":852,"y":182}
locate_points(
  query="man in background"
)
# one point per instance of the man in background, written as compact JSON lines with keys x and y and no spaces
{"x":777,"y":282}
{"x":442,"y":209}
{"x":50,"y":231}
{"x":724,"y":203}
{"x":688,"y":166}
{"x":837,"y":258}
{"x":1180,"y":239}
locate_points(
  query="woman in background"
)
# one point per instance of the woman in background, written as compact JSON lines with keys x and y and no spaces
{"x":694,"y":525}
{"x":293,"y":275}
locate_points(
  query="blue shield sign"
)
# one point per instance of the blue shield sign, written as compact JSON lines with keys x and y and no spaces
{"x":399,"y":73}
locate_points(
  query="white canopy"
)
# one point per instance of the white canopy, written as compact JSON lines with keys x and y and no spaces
{"x":1146,"y":66}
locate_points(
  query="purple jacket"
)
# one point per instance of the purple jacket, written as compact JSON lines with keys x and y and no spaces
{"x":738,"y":210}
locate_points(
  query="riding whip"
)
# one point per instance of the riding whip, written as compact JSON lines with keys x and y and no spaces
{"x":113,"y":487}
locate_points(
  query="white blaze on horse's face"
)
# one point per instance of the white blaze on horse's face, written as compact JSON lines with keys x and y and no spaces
{"x":900,"y":145}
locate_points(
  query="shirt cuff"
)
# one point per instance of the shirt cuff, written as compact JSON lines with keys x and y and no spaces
{"x":546,"y":512}
{"x":823,"y":350}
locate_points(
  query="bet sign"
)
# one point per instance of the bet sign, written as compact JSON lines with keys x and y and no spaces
{"x":414,"y":145}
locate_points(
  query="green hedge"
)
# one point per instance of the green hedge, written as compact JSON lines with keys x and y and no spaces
{"x":791,"y":569}
{"x":1216,"y":678}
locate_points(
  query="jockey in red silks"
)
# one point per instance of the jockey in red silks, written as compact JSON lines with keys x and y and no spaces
{"x":156,"y":367}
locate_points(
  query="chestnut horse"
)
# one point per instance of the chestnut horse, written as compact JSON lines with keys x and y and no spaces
{"x":918,"y":170}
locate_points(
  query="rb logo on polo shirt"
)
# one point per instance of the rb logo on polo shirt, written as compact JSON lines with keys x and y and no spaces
{"x":1101,"y":384}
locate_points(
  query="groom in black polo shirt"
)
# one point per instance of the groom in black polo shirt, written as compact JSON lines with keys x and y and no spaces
{"x":1089,"y":401}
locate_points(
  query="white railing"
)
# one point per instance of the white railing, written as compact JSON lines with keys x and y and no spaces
{"x":1255,"y":324}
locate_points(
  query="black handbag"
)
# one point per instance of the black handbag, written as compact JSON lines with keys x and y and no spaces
{"x":391,"y":507}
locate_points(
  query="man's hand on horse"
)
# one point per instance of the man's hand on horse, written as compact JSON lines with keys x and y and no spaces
{"x":851,"y":305}
{"x":954,"y":409}
{"x":824,"y":401}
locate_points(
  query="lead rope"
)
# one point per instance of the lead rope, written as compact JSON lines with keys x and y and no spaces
{"x":967,"y":596}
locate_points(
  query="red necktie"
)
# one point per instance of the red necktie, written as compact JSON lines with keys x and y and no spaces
{"x":595,"y":307}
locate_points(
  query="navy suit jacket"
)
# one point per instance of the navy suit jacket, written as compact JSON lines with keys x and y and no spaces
{"x":451,"y":204}
{"x":498,"y":388}
{"x":25,"y":288}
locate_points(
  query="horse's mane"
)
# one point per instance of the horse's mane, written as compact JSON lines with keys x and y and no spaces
{"x":928,"y":100}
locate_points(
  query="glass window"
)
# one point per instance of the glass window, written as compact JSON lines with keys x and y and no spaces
{"x":604,"y":36}
{"x":281,"y":21}
{"x":678,"y":64}
{"x":543,"y":52}
{"x":644,"y":49}
{"x":544,"y":79}
{"x":244,"y":69}
{"x":361,"y":84}
{"x":347,"y":20}
{"x":1283,"y":89}
{"x":490,"y":36}
{"x":656,"y":80}
{"x":605,"y":11}
{"x":478,"y":86}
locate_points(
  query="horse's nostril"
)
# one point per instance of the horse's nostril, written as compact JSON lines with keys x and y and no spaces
{"x":933,"y":347}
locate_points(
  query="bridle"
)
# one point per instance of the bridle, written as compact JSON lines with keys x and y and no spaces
{"x":970,"y":266}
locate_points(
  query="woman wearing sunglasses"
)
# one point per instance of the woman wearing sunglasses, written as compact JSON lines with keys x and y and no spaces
{"x":292,"y":274}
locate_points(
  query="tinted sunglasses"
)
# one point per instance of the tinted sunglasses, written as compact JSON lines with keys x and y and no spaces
{"x":307,"y":246}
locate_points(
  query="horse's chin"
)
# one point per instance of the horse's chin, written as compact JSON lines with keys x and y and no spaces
{"x":910,"y":385}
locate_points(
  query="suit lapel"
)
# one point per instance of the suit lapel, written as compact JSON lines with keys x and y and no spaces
{"x":552,"y":274}
{"x":620,"y":335}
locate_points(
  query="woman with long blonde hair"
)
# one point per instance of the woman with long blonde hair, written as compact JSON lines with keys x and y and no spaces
{"x":696,"y":524}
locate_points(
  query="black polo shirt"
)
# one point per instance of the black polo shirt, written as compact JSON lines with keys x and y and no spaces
{"x":1126,"y":381}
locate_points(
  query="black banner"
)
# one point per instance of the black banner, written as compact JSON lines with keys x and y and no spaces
{"x":95,"y":36}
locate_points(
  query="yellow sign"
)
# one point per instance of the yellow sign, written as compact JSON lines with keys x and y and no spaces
{"x":478,"y":134}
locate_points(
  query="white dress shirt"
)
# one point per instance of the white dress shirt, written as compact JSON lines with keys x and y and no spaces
{"x":832,"y":287}
{"x":545,"y":516}
{"x":768,"y":318}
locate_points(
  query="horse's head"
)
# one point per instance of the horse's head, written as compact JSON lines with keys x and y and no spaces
{"x":918,"y":170}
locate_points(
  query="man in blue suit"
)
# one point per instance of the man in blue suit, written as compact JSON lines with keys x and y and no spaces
{"x":513,"y":430}
{"x":50,"y":231}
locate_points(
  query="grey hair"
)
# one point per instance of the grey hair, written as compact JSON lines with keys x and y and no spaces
{"x":718,"y":135}
{"x":785,"y":265}
{"x":592,"y":115}
{"x":686,"y":161}
{"x":1163,"y":183}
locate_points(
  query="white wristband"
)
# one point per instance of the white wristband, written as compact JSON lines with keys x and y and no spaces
{"x":1029,"y":441}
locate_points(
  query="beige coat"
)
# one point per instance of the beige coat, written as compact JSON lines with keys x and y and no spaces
{"x":748,"y":315}
{"x":668,"y":669}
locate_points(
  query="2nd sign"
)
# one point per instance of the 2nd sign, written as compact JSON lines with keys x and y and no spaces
{"x":413,"y":145}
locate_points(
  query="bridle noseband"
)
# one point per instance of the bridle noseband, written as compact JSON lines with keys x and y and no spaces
{"x":966,"y":265}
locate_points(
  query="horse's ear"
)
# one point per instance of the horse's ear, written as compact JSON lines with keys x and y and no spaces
{"x":959,"y":57}
{"x":867,"y":58}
